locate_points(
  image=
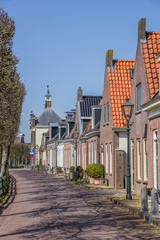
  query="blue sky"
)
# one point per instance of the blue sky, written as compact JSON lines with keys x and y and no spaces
{"x":62,"y":43}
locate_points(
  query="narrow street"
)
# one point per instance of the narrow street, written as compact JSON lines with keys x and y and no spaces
{"x":49,"y":208}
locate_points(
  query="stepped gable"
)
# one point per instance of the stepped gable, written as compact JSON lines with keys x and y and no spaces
{"x":149,"y":49}
{"x":47,"y":117}
{"x":120,"y":87}
{"x":86,"y":103}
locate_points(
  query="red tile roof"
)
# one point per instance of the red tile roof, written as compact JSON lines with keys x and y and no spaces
{"x":120,"y":87}
{"x":89,"y":126}
{"x":149,"y":50}
{"x":71,"y":134}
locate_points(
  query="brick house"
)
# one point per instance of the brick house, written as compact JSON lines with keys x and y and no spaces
{"x":68,"y":141}
{"x":113,"y":141}
{"x":91,"y":137}
{"x":83,"y":116}
{"x":144,"y":133}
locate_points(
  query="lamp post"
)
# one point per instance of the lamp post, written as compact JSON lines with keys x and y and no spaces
{"x":76,"y":137}
{"x":127,"y":109}
{"x":56,"y":157}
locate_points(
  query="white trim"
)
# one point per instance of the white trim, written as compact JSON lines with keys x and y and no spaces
{"x":95,"y":152}
{"x":110,"y":159}
{"x":106,"y":158}
{"x":155,"y":159}
{"x":139,"y":159}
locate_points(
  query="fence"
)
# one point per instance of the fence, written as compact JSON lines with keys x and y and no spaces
{"x":4,"y":184}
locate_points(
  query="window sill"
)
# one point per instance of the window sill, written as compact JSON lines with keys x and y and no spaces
{"x":110,"y":174}
{"x":145,"y":182}
{"x":138,"y":181}
{"x":138,"y":112}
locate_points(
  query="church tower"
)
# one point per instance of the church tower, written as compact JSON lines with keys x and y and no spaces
{"x":48,"y":102}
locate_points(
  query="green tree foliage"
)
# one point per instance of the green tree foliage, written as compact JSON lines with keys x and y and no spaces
{"x":19,"y":152}
{"x":12,"y":90}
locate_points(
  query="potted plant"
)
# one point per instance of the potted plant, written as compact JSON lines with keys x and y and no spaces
{"x":72,"y":168}
{"x":71,"y":173}
{"x":59,"y":169}
{"x":95,"y":171}
{"x":80,"y":172}
{"x":149,"y":189}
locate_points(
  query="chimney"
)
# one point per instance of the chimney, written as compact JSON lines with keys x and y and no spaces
{"x":109,"y":58}
{"x":79,"y":94}
{"x":142,"y":30}
{"x":158,"y":56}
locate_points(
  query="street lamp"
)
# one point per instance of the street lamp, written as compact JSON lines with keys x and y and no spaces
{"x":127,"y":109}
{"x":76,"y":138}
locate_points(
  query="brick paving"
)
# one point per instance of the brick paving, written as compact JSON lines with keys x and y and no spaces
{"x":46,"y":207}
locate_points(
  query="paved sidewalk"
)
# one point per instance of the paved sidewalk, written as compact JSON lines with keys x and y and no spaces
{"x":46,"y":207}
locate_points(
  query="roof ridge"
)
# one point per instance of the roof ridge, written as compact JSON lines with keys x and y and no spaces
{"x":153,"y":32}
{"x":124,"y":60}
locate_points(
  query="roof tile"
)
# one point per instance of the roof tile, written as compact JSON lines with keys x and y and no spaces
{"x":149,"y":50}
{"x":121,"y":87}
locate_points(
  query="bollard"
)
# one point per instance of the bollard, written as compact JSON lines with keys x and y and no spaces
{"x":144,"y":200}
{"x":154,"y":205}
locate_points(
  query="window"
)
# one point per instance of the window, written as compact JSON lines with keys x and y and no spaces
{"x":101,"y":154}
{"x":139,"y":97}
{"x":92,"y":160}
{"x":155,"y":158}
{"x":139,"y":159}
{"x":110,"y":158}
{"x":132,"y":165}
{"x":131,"y":72}
{"x":107,"y":112}
{"x":104,"y":114}
{"x":89,"y":153}
{"x":95,"y":152}
{"x":145,"y":160}
{"x":106,"y":158}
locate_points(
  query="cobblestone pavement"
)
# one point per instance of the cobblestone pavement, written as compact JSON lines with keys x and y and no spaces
{"x":49,"y":208}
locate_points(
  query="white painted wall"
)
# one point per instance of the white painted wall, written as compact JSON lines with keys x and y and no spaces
{"x":72,"y":157}
{"x":50,"y":162}
{"x":38,"y":132}
{"x":123,"y":146}
{"x":60,"y":153}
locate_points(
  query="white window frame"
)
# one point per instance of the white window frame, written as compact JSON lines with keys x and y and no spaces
{"x":139,"y":159}
{"x":102,"y":154}
{"x":95,"y":152}
{"x":155,"y":158}
{"x":107,"y":158}
{"x":145,"y":162}
{"x":89,"y":153}
{"x":110,"y":158}
{"x":92,"y":160}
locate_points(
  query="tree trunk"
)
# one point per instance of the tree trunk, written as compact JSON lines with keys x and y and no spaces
{"x":4,"y":160}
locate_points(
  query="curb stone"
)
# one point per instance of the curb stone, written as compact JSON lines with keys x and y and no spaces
{"x":9,"y":198}
{"x":135,"y":211}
